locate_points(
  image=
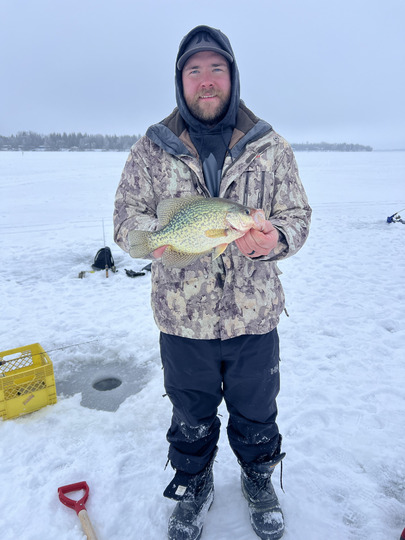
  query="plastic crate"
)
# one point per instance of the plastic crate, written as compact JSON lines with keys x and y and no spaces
{"x":27,"y":382}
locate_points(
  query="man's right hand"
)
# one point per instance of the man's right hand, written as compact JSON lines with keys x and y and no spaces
{"x":158,"y":252}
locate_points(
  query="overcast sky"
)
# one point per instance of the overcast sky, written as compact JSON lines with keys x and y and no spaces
{"x":317,"y":70}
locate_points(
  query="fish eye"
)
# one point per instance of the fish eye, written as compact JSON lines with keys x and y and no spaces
{"x":247,"y":212}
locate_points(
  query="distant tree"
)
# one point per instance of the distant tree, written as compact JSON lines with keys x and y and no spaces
{"x":29,"y":140}
{"x":331,"y":147}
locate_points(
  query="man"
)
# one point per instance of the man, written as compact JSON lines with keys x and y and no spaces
{"x":218,"y":318}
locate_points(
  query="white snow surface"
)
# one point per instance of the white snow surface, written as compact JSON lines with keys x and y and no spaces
{"x":342,"y":400}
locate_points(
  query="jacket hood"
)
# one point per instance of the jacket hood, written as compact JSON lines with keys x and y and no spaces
{"x":229,"y":120}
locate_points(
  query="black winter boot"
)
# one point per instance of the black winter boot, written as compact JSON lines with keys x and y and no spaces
{"x":195,"y":494}
{"x":266,"y":515}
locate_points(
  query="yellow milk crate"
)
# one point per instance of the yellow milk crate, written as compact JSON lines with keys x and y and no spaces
{"x":27,"y":382}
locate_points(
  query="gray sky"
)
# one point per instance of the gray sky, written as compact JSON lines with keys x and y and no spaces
{"x":317,"y":70}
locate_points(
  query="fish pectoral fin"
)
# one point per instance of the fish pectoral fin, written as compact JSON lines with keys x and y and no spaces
{"x":178,"y":259}
{"x":218,"y":250}
{"x":216,"y":233}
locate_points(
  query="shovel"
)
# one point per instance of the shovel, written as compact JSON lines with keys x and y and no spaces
{"x":78,"y":506}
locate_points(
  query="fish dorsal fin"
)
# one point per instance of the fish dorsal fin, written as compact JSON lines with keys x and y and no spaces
{"x":178,"y":259}
{"x":167,"y":208}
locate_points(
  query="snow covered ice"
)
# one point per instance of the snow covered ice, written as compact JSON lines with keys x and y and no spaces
{"x":342,"y":400}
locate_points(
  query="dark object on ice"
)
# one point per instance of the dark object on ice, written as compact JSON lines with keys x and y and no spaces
{"x":148,"y":267}
{"x":104,"y":260}
{"x":131,"y":273}
{"x":396,"y":218}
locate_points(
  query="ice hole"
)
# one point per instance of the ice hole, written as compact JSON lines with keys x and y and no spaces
{"x":109,"y":383}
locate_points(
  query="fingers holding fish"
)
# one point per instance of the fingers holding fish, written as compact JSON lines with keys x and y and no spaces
{"x":256,"y":243}
{"x":259,"y":219}
{"x":159,"y":252}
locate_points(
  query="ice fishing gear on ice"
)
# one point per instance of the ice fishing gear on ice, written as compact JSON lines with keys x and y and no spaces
{"x":132,"y":273}
{"x":142,"y":272}
{"x":104,"y":260}
{"x":396,"y":218}
{"x":27,"y":381}
{"x":78,"y":506}
{"x":83,"y":273}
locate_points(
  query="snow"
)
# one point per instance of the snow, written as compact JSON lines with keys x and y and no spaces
{"x":342,"y":401}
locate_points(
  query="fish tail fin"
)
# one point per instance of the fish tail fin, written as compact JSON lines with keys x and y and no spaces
{"x":139,"y":244}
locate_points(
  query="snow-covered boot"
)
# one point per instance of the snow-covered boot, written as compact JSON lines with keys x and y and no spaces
{"x":195,"y":494}
{"x":266,"y":515}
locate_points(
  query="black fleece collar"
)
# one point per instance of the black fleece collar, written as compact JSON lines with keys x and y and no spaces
{"x":167,"y":133}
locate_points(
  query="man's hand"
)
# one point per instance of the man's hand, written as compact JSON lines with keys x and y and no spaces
{"x":257,"y":243}
{"x":158,"y":252}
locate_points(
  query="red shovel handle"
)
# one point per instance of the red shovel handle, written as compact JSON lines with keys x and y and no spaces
{"x":71,"y":503}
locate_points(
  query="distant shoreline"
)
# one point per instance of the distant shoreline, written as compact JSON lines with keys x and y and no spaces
{"x":37,"y":150}
{"x":29,"y":141}
{"x":330,"y":147}
{"x":128,"y":149}
{"x":83,"y":142}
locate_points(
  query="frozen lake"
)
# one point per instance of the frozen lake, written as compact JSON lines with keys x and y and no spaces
{"x":342,"y":402}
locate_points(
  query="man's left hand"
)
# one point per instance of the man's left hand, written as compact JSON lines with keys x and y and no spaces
{"x":257,"y":243}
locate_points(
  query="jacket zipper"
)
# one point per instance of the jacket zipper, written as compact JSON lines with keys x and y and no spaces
{"x":262,"y":190}
{"x":200,"y":188}
{"x":258,"y":152}
{"x":224,"y":172}
{"x":245,"y":191}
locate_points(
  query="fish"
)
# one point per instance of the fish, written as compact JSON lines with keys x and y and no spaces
{"x":193,"y":226}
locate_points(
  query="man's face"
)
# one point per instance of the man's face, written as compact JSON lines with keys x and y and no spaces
{"x":207,"y":86}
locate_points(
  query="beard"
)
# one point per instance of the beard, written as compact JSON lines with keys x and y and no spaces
{"x":207,"y":115}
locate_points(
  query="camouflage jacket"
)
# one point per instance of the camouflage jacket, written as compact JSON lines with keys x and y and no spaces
{"x":233,"y":295}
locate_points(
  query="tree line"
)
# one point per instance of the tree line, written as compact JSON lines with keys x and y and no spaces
{"x":331,"y":147}
{"x":29,"y":140}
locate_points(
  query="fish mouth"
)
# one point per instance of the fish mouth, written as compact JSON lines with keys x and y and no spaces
{"x":241,"y":228}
